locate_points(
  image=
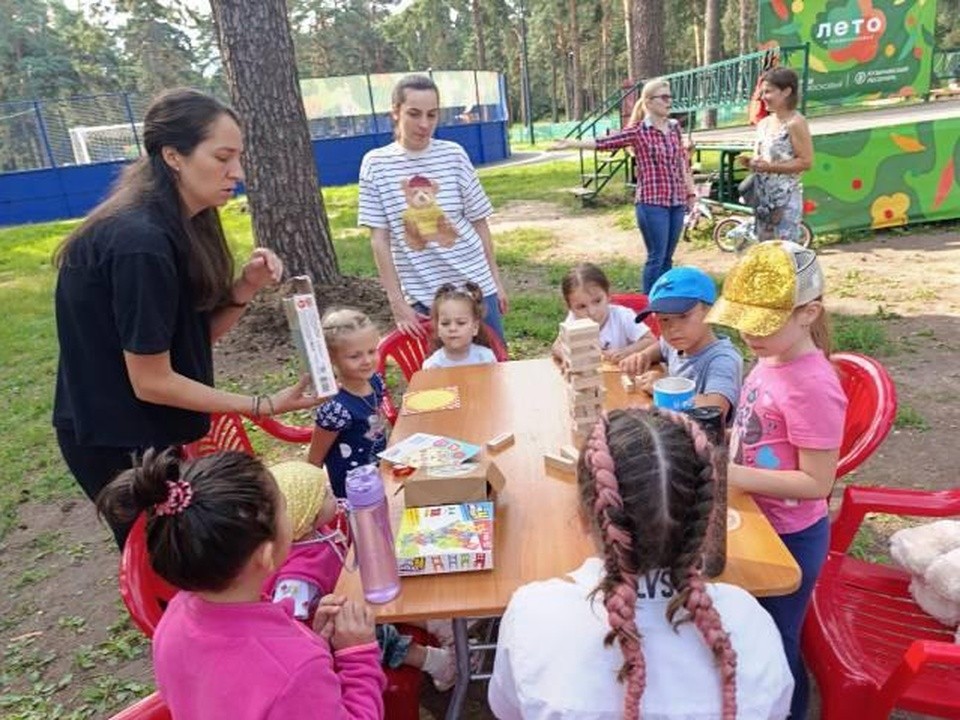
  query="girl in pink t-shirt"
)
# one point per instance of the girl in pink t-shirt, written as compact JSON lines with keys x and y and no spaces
{"x":217,"y":527}
{"x":789,"y":422}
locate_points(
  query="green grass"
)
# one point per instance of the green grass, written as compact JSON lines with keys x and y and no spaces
{"x":909,"y":419}
{"x":30,"y":466}
{"x":860,"y":333}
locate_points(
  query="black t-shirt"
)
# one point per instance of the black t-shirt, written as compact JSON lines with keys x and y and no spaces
{"x":123,"y":286}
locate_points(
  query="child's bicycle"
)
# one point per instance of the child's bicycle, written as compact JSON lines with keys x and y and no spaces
{"x":700,"y":212}
{"x":734,"y":233}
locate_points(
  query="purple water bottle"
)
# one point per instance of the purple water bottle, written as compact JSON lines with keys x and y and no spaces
{"x":373,"y":538}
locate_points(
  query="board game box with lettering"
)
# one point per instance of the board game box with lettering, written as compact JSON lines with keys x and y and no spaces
{"x":445,"y":539}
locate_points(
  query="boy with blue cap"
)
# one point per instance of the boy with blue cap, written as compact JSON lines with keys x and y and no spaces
{"x":688,"y":347}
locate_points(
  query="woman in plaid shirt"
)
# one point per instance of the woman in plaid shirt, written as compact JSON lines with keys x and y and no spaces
{"x":664,"y":182}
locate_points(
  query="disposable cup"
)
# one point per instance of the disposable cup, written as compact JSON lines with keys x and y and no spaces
{"x":674,"y":393}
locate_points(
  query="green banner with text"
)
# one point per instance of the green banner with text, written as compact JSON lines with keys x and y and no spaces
{"x":859,"y":49}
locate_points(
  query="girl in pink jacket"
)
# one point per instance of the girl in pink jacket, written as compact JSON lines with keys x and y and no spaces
{"x":217,"y":527}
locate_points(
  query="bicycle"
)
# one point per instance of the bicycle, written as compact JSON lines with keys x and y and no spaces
{"x":734,"y":233}
{"x":701,"y":210}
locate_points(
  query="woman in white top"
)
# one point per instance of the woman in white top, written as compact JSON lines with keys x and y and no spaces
{"x":427,"y":213}
{"x":687,"y":649}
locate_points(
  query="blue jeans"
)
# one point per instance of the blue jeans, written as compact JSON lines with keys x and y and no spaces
{"x":491,"y":314}
{"x":660,"y":226}
{"x":809,"y":549}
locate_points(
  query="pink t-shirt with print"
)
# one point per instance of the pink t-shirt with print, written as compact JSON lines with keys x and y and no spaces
{"x":785,"y":407}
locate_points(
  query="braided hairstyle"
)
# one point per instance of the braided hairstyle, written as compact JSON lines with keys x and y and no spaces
{"x":206,"y":539}
{"x":646,"y":480}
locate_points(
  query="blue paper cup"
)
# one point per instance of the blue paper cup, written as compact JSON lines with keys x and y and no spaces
{"x":674,"y":393}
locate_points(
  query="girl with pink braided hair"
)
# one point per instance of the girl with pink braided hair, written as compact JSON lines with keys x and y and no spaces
{"x":636,"y":631}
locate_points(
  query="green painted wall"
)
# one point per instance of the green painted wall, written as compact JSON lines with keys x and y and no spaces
{"x":884,"y":177}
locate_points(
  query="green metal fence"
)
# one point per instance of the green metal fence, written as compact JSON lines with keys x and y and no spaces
{"x":725,"y":88}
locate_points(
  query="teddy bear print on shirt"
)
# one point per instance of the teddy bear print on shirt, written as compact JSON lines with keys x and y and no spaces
{"x":424,"y":220}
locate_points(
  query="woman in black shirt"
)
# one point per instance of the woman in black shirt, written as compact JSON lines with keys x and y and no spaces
{"x":145,"y":287}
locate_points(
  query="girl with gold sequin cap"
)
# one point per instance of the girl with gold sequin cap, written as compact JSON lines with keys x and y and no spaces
{"x":786,"y":435}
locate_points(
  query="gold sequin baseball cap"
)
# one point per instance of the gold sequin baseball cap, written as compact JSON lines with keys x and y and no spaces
{"x":305,"y":486}
{"x":765,"y":286}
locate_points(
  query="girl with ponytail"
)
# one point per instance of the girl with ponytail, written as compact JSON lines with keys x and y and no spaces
{"x":636,"y":631}
{"x":217,"y":527}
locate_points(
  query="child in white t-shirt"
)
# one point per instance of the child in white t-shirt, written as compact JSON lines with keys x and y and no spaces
{"x":644,"y":634}
{"x":586,"y":291}
{"x":457,"y":316}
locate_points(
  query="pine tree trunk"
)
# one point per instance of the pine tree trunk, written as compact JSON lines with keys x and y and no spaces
{"x":744,"y":40}
{"x":256,"y":47}
{"x":628,"y":35}
{"x":554,"y":89}
{"x":648,"y":24}
{"x":577,"y":75}
{"x":711,"y":48}
{"x":478,"y":31}
{"x":604,"y":49}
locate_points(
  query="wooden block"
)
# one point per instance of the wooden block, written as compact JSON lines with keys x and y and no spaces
{"x":581,"y":343}
{"x":582,"y":381}
{"x":583,"y":413}
{"x":581,"y":363}
{"x":628,"y":384}
{"x":588,"y":395}
{"x":559,"y":463}
{"x":501,"y":441}
{"x":570,"y":329}
{"x":570,"y":452}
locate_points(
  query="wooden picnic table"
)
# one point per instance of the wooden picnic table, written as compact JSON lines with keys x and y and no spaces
{"x":537,"y":530}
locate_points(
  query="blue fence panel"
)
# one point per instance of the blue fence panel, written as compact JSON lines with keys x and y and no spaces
{"x":72,"y":191}
{"x":58,"y":158}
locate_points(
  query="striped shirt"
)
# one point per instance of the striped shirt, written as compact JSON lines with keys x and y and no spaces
{"x":661,"y":161}
{"x":383,"y":202}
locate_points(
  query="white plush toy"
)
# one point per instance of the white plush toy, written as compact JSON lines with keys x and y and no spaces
{"x":931,"y":553}
{"x":915,"y":548}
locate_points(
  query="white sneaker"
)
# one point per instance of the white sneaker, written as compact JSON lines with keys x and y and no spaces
{"x":441,"y":664}
{"x":442,"y":630}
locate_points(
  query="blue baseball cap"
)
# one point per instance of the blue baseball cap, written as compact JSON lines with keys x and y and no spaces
{"x":678,"y":290}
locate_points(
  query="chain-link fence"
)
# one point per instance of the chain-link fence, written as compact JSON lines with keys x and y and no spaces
{"x":73,"y":131}
{"x":107,"y":128}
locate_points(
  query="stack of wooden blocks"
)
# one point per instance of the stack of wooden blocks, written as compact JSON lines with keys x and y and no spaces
{"x":580,"y":355}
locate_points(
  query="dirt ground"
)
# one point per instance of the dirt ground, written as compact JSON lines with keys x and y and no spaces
{"x":60,"y":566}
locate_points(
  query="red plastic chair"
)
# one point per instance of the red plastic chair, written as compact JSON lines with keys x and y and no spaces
{"x":870,"y":647}
{"x":227,"y":432}
{"x":871,"y":410}
{"x":409,"y":351}
{"x":149,"y":708}
{"x":638,"y":302}
{"x":144,"y":593}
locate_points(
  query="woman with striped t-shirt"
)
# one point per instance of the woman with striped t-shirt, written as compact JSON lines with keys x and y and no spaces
{"x":427,"y":213}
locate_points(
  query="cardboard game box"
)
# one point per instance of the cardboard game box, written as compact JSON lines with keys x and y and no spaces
{"x":445,"y":539}
{"x":304,"y":321}
{"x":451,"y":484}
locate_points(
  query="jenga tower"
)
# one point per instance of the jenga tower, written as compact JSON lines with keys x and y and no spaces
{"x":580,"y":356}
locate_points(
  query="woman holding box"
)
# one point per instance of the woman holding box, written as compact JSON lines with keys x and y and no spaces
{"x":145,"y":286}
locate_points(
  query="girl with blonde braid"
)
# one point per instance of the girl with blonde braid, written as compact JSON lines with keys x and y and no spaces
{"x":687,"y":648}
